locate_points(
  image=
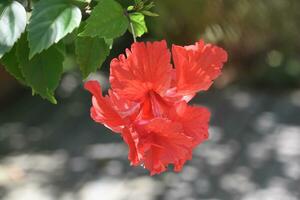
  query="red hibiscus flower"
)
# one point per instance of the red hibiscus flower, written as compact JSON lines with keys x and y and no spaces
{"x":148,"y":101}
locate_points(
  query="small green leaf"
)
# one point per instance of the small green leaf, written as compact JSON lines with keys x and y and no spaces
{"x":130,"y":8}
{"x":12,"y":24}
{"x":11,"y":64}
{"x":138,"y":21}
{"x":43,"y":71}
{"x":51,"y":20}
{"x":149,"y":6}
{"x":91,"y":52}
{"x":149,"y":13}
{"x":107,"y":20}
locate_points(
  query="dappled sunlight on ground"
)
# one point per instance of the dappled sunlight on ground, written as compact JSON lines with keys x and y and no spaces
{"x":58,"y":153}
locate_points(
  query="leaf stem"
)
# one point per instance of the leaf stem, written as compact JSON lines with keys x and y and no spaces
{"x":132,"y":31}
{"x":131,"y":25}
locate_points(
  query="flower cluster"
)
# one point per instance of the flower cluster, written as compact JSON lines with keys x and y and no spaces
{"x":148,"y":101}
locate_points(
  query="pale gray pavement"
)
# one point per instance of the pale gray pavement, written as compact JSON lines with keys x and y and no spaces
{"x":57,"y":152}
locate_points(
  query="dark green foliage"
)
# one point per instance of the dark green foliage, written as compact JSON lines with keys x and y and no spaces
{"x":42,"y":73}
{"x":36,"y":60}
{"x":107,"y":20}
{"x":11,"y":65}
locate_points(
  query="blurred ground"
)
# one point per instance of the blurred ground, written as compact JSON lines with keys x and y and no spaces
{"x":57,"y":152}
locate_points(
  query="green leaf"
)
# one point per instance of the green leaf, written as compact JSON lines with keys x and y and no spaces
{"x":138,"y":21}
{"x":91,"y":52}
{"x":43,"y":71}
{"x":107,"y":20}
{"x":149,"y":13}
{"x":12,"y":24}
{"x":11,"y":64}
{"x":51,"y":20}
{"x":149,"y":6}
{"x":130,"y":8}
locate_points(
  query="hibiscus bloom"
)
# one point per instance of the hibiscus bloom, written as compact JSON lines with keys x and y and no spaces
{"x":148,"y":101}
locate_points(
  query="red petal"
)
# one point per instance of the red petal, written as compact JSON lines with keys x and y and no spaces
{"x":102,"y":110}
{"x":130,"y":140}
{"x":125,"y":108}
{"x":194,"y":120}
{"x":197,"y":66}
{"x":147,"y":67}
{"x":163,"y":142}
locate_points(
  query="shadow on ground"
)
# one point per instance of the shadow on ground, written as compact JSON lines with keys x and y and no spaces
{"x":58,"y":153}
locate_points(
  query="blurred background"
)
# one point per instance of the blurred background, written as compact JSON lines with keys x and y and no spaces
{"x":56,"y":152}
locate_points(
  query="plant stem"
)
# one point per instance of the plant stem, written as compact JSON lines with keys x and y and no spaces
{"x":132,"y":31}
{"x":131,"y":25}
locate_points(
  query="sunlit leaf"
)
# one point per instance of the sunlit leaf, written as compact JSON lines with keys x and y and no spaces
{"x":51,"y":20}
{"x":12,"y":24}
{"x":138,"y":21}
